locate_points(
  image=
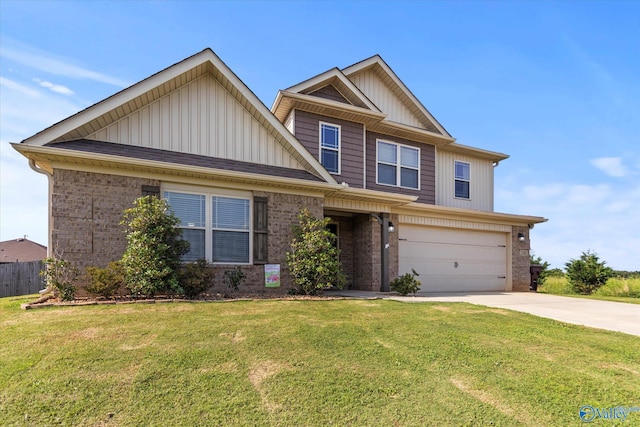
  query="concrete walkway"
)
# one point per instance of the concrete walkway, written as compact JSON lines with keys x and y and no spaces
{"x":609,"y":315}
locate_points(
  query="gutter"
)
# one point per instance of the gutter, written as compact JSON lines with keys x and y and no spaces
{"x":32,"y":165}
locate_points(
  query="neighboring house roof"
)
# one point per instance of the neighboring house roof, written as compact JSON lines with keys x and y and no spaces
{"x":21,"y":250}
{"x":89,"y":122}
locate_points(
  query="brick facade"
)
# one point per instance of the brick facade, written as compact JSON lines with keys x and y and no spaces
{"x":86,"y":210}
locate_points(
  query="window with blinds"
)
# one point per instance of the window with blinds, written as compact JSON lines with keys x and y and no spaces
{"x":217,"y":228}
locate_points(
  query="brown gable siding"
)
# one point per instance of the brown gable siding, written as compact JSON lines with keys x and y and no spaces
{"x":427,"y":192}
{"x":331,"y":93}
{"x":307,"y":130}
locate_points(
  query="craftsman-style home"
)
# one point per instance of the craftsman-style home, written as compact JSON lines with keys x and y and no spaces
{"x":353,"y":144}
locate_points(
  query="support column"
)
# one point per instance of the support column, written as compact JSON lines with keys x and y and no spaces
{"x":384,"y":252}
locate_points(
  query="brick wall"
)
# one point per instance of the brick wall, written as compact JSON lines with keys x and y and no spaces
{"x":283,"y":212}
{"x":86,"y":210}
{"x":345,"y":244}
{"x":521,"y":276}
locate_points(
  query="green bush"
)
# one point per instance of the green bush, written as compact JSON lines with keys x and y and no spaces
{"x":154,"y":247}
{"x":545,"y":268}
{"x":313,"y":259}
{"x":588,"y":273}
{"x":405,"y":284}
{"x":106,"y":282}
{"x":232,"y":280}
{"x":61,"y":275}
{"x":195,"y":278}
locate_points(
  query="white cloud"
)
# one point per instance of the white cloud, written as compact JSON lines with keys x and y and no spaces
{"x":43,"y":61}
{"x":54,"y":87}
{"x":602,"y":217}
{"x":612,"y":166}
{"x":15,"y":86}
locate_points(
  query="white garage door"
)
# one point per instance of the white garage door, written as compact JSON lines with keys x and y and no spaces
{"x":454,"y":260}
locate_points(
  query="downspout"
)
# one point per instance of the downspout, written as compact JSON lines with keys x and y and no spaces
{"x":32,"y":165}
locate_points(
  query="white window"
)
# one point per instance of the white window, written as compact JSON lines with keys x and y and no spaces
{"x":398,"y":165}
{"x":330,"y":147}
{"x":462,"y":179}
{"x":217,"y":227}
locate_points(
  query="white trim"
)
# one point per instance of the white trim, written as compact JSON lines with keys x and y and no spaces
{"x":209,"y":193}
{"x":291,"y":121}
{"x":327,"y":78}
{"x":455,"y":178}
{"x":398,"y":165}
{"x":111,"y":103}
{"x":364,"y":156}
{"x":321,"y":147}
{"x":377,"y":60}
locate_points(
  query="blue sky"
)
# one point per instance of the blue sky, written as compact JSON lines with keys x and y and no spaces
{"x":556,"y":85}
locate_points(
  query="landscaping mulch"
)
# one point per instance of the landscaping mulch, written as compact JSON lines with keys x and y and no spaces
{"x":51,"y":301}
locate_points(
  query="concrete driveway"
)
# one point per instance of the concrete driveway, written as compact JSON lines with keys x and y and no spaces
{"x":609,"y":315}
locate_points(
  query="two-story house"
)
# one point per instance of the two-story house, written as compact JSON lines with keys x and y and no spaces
{"x":353,"y":144}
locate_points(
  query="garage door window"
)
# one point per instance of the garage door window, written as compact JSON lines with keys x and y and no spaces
{"x":462,"y":179}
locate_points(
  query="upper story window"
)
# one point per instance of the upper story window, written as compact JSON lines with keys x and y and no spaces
{"x":217,"y":228}
{"x":462,"y":179}
{"x":398,"y":165}
{"x":330,"y":147}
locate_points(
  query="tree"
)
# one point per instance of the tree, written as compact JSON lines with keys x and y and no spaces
{"x":154,"y":247}
{"x":313,"y":258}
{"x":588,"y":273}
{"x":545,"y":268}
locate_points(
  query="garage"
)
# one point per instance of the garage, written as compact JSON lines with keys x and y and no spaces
{"x":454,"y":260}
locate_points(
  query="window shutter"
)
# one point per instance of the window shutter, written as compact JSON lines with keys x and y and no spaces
{"x":151,"y":190}
{"x":260,"y":230}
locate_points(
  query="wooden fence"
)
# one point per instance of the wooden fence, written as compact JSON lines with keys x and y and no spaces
{"x":20,"y":278}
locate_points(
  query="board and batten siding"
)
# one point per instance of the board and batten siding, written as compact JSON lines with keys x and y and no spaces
{"x":374,"y":88}
{"x":480,"y":185}
{"x":200,"y":117}
{"x":307,"y":130}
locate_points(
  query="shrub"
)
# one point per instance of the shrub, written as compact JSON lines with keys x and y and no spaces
{"x":313,"y":258}
{"x":60,"y":274}
{"x":154,"y":247}
{"x":233,"y":279}
{"x":588,"y":273}
{"x":195,"y":278}
{"x":405,"y":284}
{"x":545,"y":268}
{"x":106,"y":282}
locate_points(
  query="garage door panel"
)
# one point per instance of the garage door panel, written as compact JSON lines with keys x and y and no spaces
{"x":454,"y":260}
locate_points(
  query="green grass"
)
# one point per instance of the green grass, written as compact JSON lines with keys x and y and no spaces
{"x":305,"y":363}
{"x":616,"y":289}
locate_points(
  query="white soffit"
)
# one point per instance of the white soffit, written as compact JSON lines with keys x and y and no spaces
{"x":155,"y":86}
{"x":396,"y":86}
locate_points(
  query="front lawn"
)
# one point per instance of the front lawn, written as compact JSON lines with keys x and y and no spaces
{"x":306,"y":362}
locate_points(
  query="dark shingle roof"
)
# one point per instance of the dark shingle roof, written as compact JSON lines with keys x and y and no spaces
{"x":135,"y":152}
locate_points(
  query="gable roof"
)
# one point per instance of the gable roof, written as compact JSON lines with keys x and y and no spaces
{"x":21,"y":250}
{"x":398,"y":88}
{"x":351,"y":82}
{"x":337,"y":79}
{"x":141,"y":94}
